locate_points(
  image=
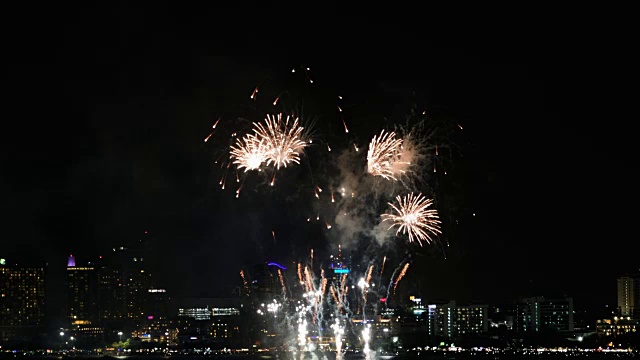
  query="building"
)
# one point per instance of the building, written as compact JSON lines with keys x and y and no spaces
{"x":112,"y":299}
{"x":82,"y":293}
{"x":157,"y":304}
{"x":110,"y":295}
{"x":265,"y":281}
{"x":338,"y":268}
{"x":617,"y":326}
{"x":629,"y":296}
{"x":217,"y":322}
{"x":542,"y":314}
{"x":451,"y":320}
{"x":127,"y":267}
{"x":83,"y":302}
{"x":22,"y":301}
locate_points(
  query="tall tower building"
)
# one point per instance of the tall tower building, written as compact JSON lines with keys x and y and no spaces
{"x":82,"y":293}
{"x":22,"y":301}
{"x":629,"y":296}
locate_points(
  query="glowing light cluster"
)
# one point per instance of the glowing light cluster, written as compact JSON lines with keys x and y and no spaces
{"x":413,"y":218}
{"x":249,"y":152}
{"x":385,"y":157}
{"x":276,"y":142}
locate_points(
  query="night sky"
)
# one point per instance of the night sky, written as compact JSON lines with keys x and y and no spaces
{"x":107,"y":113}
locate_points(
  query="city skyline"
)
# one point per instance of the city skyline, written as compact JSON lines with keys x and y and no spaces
{"x":108,"y":144}
{"x":114,"y":296}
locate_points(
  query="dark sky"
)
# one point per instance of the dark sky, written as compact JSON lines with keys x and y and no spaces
{"x":107,"y":112}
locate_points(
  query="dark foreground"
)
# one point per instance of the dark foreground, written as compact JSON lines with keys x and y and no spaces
{"x":442,"y":355}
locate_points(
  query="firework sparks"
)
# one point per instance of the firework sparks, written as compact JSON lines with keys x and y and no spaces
{"x":386,"y":157}
{"x":248,"y":153}
{"x":324,"y":286}
{"x":253,"y":94}
{"x":335,"y":296}
{"x":276,"y":142}
{"x":413,"y":218}
{"x":208,"y":136}
{"x":402,"y":274}
{"x":244,"y":280}
{"x":308,"y":280}
{"x":368,"y":278}
{"x":283,"y":140}
{"x":346,"y":130}
{"x":384,"y":260}
{"x":284,"y":288}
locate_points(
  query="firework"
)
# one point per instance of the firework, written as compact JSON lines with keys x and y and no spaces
{"x":402,"y":274}
{"x":308,"y":281}
{"x":386,"y":156}
{"x":284,"y":288}
{"x":249,"y":152}
{"x":300,"y":273}
{"x":283,"y":140}
{"x":244,"y":280}
{"x":413,"y":218}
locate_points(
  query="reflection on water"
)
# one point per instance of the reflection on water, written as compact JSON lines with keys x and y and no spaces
{"x":357,"y":355}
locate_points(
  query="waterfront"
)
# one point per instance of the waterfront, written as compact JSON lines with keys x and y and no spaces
{"x":422,"y":355}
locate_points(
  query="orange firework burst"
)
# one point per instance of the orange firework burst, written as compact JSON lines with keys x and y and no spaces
{"x":412,"y":218}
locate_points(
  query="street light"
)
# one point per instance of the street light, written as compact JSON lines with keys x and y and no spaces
{"x":120,"y":334}
{"x":61,"y":338}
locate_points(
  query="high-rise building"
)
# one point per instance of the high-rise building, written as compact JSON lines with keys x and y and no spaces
{"x":82,"y":293}
{"x":22,"y":301}
{"x":539,"y":313}
{"x":452,"y":320}
{"x":124,"y":286}
{"x":629,"y":296}
{"x":265,"y":282}
{"x":158,"y":304}
{"x":110,"y":294}
{"x":112,"y":299}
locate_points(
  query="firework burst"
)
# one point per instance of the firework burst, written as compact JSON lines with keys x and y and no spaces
{"x":386,"y":156}
{"x":283,"y":140}
{"x":413,"y":218}
{"x":249,"y":152}
{"x":277,"y":142}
